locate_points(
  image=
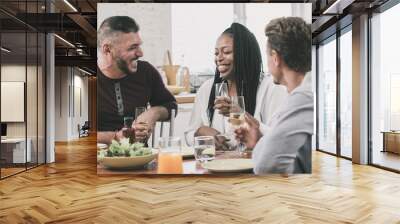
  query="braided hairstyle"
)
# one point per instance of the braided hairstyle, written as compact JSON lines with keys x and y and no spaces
{"x":246,"y":69}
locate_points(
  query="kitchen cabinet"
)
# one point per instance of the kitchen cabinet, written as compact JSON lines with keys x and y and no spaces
{"x":391,"y":142}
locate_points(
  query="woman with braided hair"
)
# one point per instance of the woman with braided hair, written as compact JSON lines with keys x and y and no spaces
{"x":239,"y":64}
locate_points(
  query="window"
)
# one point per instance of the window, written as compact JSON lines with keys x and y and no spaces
{"x":22,"y":64}
{"x":346,"y":94}
{"x":327,"y":96}
{"x":385,"y":88}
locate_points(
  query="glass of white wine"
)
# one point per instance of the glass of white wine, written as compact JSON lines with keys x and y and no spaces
{"x":236,"y":116}
{"x":237,"y":111}
{"x":221,"y":90}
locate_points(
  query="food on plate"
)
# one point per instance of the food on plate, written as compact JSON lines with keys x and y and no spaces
{"x":125,"y":149}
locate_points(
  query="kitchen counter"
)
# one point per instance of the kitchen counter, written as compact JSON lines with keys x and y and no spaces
{"x":186,"y":98}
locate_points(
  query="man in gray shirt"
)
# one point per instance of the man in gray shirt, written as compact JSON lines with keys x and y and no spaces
{"x":286,"y":145}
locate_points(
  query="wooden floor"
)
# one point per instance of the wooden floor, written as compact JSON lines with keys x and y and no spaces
{"x":10,"y":171}
{"x":69,"y":191}
{"x":387,"y":159}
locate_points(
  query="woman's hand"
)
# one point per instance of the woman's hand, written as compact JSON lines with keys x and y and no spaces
{"x":221,"y":142}
{"x":223,"y":105}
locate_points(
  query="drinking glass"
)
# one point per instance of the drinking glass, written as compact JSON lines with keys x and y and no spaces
{"x":170,"y":156}
{"x":236,"y":117}
{"x":127,"y":130}
{"x":237,"y":111}
{"x":138,"y":111}
{"x":204,"y":148}
{"x":221,"y":90}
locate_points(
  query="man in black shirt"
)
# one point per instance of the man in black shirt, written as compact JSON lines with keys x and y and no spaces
{"x":125,"y":83}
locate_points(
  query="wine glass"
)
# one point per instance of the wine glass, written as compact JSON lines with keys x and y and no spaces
{"x":236,"y":116}
{"x":138,"y":112}
{"x":237,"y":111}
{"x":127,"y":129}
{"x":221,"y":90}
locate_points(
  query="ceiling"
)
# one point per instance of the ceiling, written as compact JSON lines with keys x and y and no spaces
{"x":76,"y":23}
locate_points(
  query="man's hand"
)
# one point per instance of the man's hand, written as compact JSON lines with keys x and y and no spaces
{"x":145,"y":122}
{"x":144,"y":125}
{"x":142,"y":131}
{"x":251,"y":134}
{"x":119,"y":135}
{"x":223,"y":105}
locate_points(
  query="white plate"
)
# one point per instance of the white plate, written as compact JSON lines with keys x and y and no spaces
{"x":229,"y":165}
{"x":102,"y":146}
{"x":187,"y":152}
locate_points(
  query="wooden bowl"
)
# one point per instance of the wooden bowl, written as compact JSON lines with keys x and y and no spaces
{"x":127,"y":162}
{"x":175,"y":90}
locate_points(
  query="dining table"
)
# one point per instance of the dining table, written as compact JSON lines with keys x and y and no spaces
{"x":190,"y":166}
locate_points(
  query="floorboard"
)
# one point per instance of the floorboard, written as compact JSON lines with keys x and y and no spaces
{"x":69,"y":191}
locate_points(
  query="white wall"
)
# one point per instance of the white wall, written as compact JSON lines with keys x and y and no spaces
{"x":16,"y":73}
{"x":190,"y":30}
{"x":67,"y":115}
{"x":80,"y":102}
{"x":194,"y":35}
{"x":154,"y":21}
{"x":33,"y":126}
{"x":61,"y":103}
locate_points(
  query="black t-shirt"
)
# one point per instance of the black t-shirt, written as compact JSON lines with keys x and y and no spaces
{"x":118,"y":98}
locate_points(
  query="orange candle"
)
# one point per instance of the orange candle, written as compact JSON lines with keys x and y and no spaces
{"x":170,"y":163}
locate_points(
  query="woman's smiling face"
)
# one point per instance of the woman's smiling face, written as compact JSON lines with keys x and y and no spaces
{"x":224,"y":55}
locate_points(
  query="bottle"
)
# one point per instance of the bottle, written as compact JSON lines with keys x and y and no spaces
{"x":186,"y":79}
{"x":163,"y":75}
{"x":180,"y":73}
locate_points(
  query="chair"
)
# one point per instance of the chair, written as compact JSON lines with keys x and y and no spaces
{"x":84,"y":130}
{"x":162,"y":124}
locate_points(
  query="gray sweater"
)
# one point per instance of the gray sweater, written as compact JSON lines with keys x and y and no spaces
{"x":286,"y":145}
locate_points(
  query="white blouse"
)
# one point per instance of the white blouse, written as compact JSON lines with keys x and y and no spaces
{"x":269,"y":98}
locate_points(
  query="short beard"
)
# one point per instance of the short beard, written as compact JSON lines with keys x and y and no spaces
{"x":123,"y":66}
